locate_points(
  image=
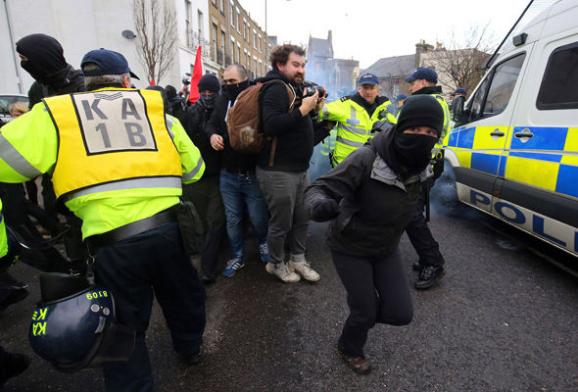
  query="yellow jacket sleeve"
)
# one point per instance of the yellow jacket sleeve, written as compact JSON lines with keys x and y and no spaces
{"x":191,"y":159}
{"x":28,"y":146}
{"x":338,"y":111}
{"x":3,"y":236}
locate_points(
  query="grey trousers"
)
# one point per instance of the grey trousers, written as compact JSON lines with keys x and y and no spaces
{"x":284,"y":194}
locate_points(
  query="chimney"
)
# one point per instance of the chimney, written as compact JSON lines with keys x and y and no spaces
{"x":420,"y":48}
{"x":330,"y":37}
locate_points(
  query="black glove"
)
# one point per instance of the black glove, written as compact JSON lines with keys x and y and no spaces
{"x":324,"y":210}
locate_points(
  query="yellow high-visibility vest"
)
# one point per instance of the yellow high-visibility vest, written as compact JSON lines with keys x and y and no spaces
{"x":112,"y":139}
{"x":354,"y":124}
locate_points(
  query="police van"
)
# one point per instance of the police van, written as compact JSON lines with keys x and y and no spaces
{"x":514,"y":149}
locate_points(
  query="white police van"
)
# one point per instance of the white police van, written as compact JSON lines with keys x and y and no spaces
{"x":514,"y":150}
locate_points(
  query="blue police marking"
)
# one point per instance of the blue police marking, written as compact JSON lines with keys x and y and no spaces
{"x":476,"y":197}
{"x":538,"y":228}
{"x":519,"y":218}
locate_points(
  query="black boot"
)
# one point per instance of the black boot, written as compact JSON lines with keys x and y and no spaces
{"x":429,"y":276}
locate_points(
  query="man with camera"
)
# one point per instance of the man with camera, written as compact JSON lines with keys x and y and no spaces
{"x":282,"y":165}
{"x":356,"y":117}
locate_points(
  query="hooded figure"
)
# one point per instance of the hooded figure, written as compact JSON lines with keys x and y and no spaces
{"x":370,"y":198}
{"x":42,"y":57}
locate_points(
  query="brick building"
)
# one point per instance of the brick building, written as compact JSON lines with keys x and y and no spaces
{"x":236,"y":38}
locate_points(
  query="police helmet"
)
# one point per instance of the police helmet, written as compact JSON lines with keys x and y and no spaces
{"x":74,"y":326}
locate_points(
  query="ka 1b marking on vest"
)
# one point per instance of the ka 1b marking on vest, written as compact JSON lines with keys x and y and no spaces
{"x":557,"y":233}
{"x":38,"y":325}
{"x":114,"y":121}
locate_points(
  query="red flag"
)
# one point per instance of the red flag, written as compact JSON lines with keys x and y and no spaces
{"x":196,"y":77}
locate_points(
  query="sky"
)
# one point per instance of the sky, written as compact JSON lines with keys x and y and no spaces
{"x":367,"y":30}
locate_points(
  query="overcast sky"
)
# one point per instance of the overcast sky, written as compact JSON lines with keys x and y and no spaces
{"x":367,"y":30}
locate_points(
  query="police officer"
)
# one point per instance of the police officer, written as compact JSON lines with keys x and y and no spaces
{"x":356,"y":116}
{"x":117,"y":162}
{"x":11,"y":364}
{"x":430,"y":264}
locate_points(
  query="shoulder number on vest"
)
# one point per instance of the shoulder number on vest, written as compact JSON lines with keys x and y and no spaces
{"x":114,"y":121}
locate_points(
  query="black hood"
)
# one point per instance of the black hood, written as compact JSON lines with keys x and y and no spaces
{"x":429,"y":90}
{"x":45,"y":60}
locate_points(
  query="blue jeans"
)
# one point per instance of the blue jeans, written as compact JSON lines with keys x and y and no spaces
{"x":240,"y":191}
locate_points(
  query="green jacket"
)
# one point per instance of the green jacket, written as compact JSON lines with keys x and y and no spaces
{"x":28,"y":148}
{"x":354,"y":123}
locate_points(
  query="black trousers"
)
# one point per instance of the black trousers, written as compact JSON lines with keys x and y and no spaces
{"x":377,"y":292}
{"x":422,"y":239}
{"x":206,"y":197}
{"x":134,"y":269}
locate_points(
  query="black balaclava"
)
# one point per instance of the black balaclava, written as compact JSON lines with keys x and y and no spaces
{"x":209,"y":83}
{"x":44,"y":54}
{"x":232,"y":91}
{"x":409,"y":154}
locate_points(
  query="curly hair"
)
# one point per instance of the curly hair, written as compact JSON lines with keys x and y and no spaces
{"x":280,"y":54}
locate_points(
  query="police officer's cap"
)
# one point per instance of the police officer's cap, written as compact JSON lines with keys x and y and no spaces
{"x":368,"y":78}
{"x":423,"y":73}
{"x":108,"y":62}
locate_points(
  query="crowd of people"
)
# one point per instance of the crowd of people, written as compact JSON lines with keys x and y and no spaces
{"x":121,"y":169}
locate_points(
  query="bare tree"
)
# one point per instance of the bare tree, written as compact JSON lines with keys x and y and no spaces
{"x":462,"y":61}
{"x":155,"y":25}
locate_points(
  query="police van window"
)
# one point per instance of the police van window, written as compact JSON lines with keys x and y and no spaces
{"x":559,"y":89}
{"x":476,"y":103}
{"x":502,"y":85}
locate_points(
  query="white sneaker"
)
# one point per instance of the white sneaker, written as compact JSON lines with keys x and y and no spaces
{"x":299,"y":264}
{"x":281,"y":271}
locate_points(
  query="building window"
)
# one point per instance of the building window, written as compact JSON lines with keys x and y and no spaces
{"x":233,"y":51}
{"x":238,"y":21}
{"x":239,"y":54}
{"x":222,"y":6}
{"x":254,"y":39}
{"x":188,"y":23}
{"x":200,"y":30}
{"x":223,"y":51}
{"x":214,"y":37}
{"x":232,"y":13}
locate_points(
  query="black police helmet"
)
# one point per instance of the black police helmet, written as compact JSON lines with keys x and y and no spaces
{"x":77,"y":330}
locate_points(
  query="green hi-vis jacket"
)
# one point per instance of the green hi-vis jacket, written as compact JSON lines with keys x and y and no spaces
{"x":354,"y":124}
{"x":108,"y":152}
{"x":3,"y":236}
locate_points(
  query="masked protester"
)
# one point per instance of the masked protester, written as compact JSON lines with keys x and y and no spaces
{"x":240,"y":190}
{"x":205,"y":194}
{"x":42,"y":57}
{"x":371,"y":197}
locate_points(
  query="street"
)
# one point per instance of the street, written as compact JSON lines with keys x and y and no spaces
{"x":503,"y":319}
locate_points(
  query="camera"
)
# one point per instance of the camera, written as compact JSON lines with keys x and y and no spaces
{"x":309,"y":89}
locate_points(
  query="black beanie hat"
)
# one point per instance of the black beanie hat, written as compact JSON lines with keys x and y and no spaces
{"x":421,"y":111}
{"x":209,"y":82}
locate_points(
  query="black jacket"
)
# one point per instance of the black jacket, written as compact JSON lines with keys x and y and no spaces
{"x":68,"y":81}
{"x":194,"y":120}
{"x":375,"y":203}
{"x":296,"y":135}
{"x":231,"y":160}
{"x":429,"y":90}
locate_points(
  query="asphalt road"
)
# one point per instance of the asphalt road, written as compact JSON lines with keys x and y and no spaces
{"x":503,"y":319}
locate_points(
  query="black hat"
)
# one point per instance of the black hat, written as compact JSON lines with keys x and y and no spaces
{"x":421,"y":111}
{"x":209,"y":82}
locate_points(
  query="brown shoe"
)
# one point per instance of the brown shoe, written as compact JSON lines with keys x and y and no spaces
{"x":359,"y":364}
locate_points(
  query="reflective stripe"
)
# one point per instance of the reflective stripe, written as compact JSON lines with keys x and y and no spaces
{"x":150,"y":182}
{"x":359,"y":131}
{"x":170,"y":126}
{"x":16,"y":161}
{"x":190,"y":175}
{"x":349,"y":142}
